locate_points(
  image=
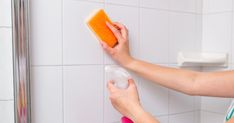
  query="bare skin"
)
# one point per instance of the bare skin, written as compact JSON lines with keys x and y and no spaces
{"x":218,"y":84}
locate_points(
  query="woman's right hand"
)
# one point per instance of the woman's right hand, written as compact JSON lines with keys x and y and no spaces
{"x":126,"y":101}
{"x":120,"y":52}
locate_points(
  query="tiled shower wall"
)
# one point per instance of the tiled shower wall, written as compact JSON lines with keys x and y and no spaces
{"x":6,"y":69}
{"x":217,"y":36}
{"x":68,"y":79}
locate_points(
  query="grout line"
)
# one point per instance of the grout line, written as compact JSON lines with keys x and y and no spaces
{"x":138,"y":6}
{"x":104,"y":79}
{"x":90,"y":1}
{"x":5,"y":100}
{"x":221,"y":12}
{"x":232,"y":26}
{"x":5,"y":27}
{"x":62,"y":15}
{"x":103,"y":76}
{"x":212,"y":112}
{"x":172,"y":114}
{"x":65,"y":65}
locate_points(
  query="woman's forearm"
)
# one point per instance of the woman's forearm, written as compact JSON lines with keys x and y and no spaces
{"x":140,"y":116}
{"x":177,"y":79}
{"x":219,"y":84}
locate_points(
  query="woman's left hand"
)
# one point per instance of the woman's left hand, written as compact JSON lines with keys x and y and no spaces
{"x":126,"y":101}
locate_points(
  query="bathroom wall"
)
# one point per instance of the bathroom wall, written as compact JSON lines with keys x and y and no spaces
{"x":6,"y":66}
{"x":217,"y":19}
{"x":68,"y":79}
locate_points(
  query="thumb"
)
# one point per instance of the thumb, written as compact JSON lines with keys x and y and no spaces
{"x":131,"y":82}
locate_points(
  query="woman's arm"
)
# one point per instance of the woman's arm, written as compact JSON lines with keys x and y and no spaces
{"x":190,"y":82}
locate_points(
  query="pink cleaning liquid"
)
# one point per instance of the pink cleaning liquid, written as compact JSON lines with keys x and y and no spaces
{"x":126,"y":120}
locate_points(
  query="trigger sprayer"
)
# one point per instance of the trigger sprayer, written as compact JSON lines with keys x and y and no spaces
{"x":120,"y":78}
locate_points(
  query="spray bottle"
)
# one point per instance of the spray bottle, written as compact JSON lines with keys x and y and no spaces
{"x":120,"y":78}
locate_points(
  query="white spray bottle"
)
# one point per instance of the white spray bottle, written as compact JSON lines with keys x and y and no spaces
{"x":120,"y":78}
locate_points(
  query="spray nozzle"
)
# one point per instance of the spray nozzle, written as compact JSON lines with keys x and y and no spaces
{"x":119,"y":75}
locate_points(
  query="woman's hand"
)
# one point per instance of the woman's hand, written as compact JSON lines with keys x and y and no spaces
{"x":120,"y":52}
{"x":126,"y":101}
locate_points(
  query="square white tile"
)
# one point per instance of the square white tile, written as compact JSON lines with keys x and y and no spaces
{"x":197,"y":116}
{"x":215,"y":104}
{"x":83,"y":94}
{"x":179,"y":102}
{"x":154,"y":33}
{"x":159,"y":4}
{"x":130,"y":18}
{"x":232,"y":50}
{"x":7,"y":111}
{"x":5,"y":15}
{"x":124,"y":2}
{"x":154,"y":98}
{"x":182,"y":118}
{"x":46,"y":32}
{"x":184,"y":5}
{"x":80,"y":46}
{"x":101,"y":1}
{"x":209,"y":117}
{"x":6,"y":64}
{"x":162,"y":119}
{"x":212,"y":6}
{"x":197,"y":105}
{"x":217,"y":32}
{"x":183,"y":36}
{"x":46,"y":91}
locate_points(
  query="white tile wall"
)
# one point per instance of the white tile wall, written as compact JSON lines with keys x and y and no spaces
{"x":217,"y":32}
{"x":184,"y":5}
{"x":46,"y":88}
{"x":182,"y":118}
{"x":6,"y":64}
{"x":124,"y":2}
{"x":154,"y":33}
{"x":5,"y":15}
{"x":212,"y":6}
{"x":7,"y":111}
{"x":79,"y":45}
{"x":162,"y":119}
{"x":46,"y":32}
{"x":217,"y":105}
{"x":150,"y":94}
{"x":83,"y":94}
{"x":183,"y":36}
{"x":158,"y":30}
{"x":159,"y":4}
{"x":232,"y":44}
{"x":179,"y":103}
{"x":209,"y":117}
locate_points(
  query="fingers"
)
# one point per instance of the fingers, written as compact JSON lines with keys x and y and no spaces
{"x":108,"y":49}
{"x":115,"y":31}
{"x":123,"y":29}
{"x":111,"y":87}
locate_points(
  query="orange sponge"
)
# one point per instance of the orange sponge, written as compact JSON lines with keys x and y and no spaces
{"x":97,"y":23}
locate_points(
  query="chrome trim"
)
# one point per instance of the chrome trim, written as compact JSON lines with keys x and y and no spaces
{"x":20,"y":31}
